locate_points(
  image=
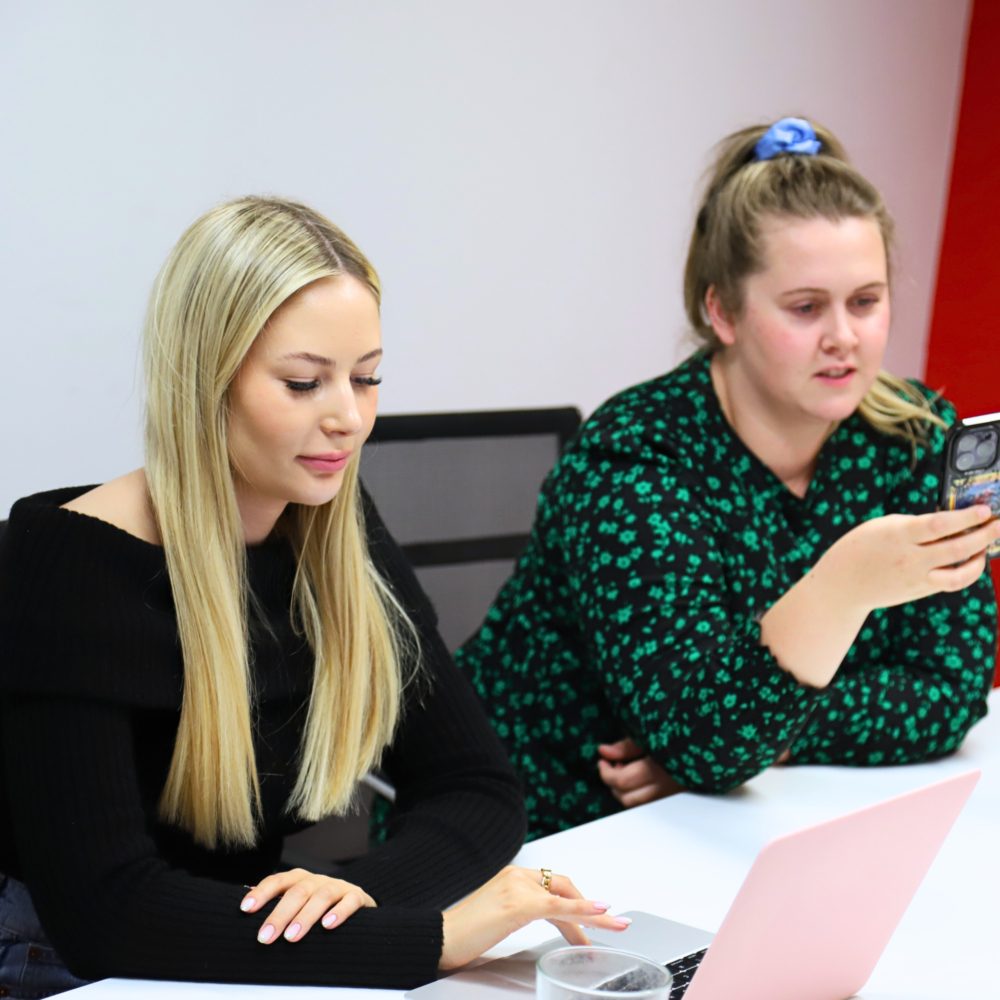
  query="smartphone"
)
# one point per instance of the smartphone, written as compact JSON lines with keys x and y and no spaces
{"x":972,"y":467}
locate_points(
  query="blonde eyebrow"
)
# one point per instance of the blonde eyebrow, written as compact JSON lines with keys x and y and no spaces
{"x":824,"y":291}
{"x":318,"y":359}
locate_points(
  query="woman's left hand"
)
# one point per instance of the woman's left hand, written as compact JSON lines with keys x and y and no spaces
{"x":511,"y":899}
{"x":633,"y":777}
{"x":305,"y":898}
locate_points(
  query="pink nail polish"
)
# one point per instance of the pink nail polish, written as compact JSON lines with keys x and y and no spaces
{"x":247,"y":904}
{"x":600,"y":907}
{"x":623,"y":921}
{"x":291,"y":933}
{"x":329,"y":920}
{"x":266,"y":933}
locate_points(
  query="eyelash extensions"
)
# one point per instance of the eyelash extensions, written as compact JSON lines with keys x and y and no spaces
{"x":365,"y":381}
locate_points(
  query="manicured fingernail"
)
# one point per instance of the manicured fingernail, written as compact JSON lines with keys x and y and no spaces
{"x":266,"y":933}
{"x":293,"y":932}
{"x":248,"y":904}
{"x":329,"y":920}
{"x":600,"y":907}
{"x":623,"y":921}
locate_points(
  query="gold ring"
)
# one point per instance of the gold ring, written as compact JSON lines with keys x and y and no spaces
{"x":546,"y":879}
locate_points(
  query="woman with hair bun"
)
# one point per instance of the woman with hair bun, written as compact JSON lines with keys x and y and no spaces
{"x":207,"y":654}
{"x":740,"y":563}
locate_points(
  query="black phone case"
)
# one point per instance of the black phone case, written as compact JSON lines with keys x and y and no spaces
{"x":979,"y":484}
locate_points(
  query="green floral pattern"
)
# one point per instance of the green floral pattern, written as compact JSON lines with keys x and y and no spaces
{"x":659,"y":540}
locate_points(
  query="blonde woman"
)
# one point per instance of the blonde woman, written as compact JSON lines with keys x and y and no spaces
{"x":208,"y":653}
{"x":739,"y":562}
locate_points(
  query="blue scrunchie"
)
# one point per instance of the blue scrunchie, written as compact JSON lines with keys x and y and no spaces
{"x":790,"y":135}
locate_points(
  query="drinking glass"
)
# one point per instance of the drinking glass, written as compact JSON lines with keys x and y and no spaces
{"x":589,"y":973}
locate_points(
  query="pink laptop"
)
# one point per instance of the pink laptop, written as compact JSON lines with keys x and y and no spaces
{"x":809,"y":923}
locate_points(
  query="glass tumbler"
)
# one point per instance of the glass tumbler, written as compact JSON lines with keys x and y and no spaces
{"x":589,"y":973}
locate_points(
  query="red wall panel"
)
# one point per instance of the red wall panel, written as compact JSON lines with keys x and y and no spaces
{"x":963,"y":351}
{"x":963,"y":354}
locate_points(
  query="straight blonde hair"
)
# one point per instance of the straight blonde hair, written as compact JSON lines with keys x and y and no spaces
{"x":726,"y":245}
{"x":223,"y":280}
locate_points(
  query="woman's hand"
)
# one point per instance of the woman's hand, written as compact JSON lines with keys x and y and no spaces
{"x":511,"y":899}
{"x":633,"y":777}
{"x":898,"y":558}
{"x":883,"y":562}
{"x":305,"y":898}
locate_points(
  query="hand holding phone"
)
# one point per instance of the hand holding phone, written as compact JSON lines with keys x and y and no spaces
{"x":972,"y":467}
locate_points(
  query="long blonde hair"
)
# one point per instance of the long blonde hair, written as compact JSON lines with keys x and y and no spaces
{"x":226,"y":276}
{"x":726,"y":245}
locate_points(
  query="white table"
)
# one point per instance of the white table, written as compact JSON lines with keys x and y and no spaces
{"x":685,"y":857}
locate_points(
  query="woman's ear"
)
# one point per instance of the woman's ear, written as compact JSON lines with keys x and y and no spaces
{"x":721,"y":322}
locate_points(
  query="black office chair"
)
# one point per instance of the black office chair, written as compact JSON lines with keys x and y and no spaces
{"x":458,"y":492}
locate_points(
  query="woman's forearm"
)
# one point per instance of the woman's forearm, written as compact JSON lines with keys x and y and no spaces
{"x":881,"y":563}
{"x":810,"y":629}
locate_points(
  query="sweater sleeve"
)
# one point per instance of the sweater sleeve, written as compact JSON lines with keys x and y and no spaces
{"x":687,"y":677}
{"x":113,"y":906}
{"x":929,"y":686}
{"x":920,"y":701}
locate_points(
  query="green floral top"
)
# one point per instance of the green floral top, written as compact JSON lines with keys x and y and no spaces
{"x":659,"y":541}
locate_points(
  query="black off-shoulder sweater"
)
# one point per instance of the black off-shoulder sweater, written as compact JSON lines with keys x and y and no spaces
{"x":90,"y":687}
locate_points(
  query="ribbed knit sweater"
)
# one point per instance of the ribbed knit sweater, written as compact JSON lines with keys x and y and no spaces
{"x":90,"y":685}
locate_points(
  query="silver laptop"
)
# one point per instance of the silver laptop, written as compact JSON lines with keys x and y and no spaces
{"x":810,"y":921}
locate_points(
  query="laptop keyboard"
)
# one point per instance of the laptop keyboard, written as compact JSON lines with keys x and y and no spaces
{"x":683,"y":969}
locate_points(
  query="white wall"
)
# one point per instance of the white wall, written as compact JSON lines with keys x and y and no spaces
{"x":520,"y":171}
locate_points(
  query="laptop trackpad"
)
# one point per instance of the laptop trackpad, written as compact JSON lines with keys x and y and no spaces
{"x":655,"y":938}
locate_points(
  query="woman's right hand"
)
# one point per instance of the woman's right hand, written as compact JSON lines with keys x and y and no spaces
{"x":898,"y":558}
{"x":883,"y":562}
{"x":303,"y":899}
{"x":511,"y":899}
{"x":631,"y":775}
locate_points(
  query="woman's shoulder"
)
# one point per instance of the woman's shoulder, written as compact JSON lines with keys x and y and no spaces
{"x":90,"y":529}
{"x":902,"y":433}
{"x":941,"y":415}
{"x":84,"y":600}
{"x":123,"y":503}
{"x":662,"y":418}
{"x":689,"y":382}
{"x":935,"y":398}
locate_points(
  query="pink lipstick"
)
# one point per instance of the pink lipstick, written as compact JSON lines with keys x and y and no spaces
{"x":334,"y":461}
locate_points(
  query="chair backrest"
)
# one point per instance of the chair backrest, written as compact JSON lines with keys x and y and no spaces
{"x":458,"y":492}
